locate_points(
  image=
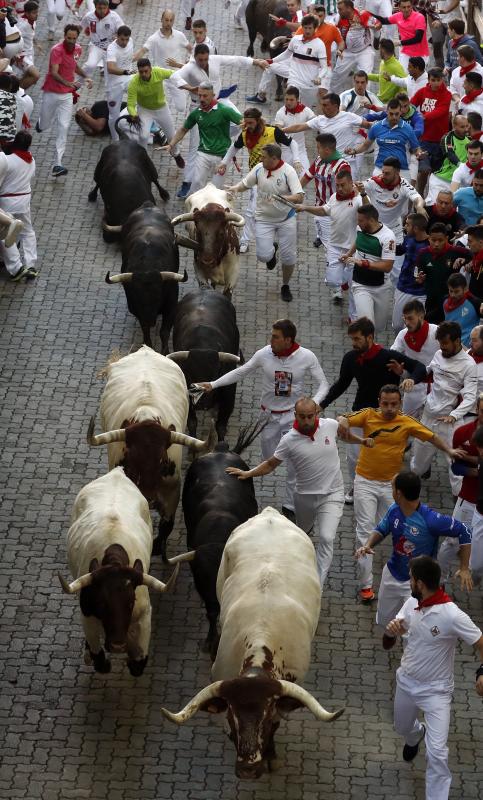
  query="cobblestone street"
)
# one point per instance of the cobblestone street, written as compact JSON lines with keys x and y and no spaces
{"x":69,"y":733}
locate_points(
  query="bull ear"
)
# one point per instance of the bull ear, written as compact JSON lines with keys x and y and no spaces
{"x":87,"y":601}
{"x":287,"y":704}
{"x":214,"y":706}
{"x":138,"y":566}
{"x":93,"y":565}
{"x":171,"y":427}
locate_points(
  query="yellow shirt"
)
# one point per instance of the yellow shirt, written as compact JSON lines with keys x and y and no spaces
{"x":384,"y":460}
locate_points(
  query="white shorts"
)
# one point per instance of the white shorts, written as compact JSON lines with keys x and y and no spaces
{"x":284,"y":232}
{"x":391,"y":597}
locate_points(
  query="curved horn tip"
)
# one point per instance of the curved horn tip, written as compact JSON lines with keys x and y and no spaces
{"x":171,"y":716}
{"x":185,"y":277}
{"x":336,"y":714}
{"x":107,"y":278}
{"x":90,"y":431}
{"x":64,"y":584}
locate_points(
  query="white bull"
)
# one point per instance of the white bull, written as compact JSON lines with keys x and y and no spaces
{"x":269,"y":593}
{"x":211,"y":222}
{"x":109,"y":548}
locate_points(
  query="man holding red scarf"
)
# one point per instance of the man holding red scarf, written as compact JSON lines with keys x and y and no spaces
{"x":15,"y":193}
{"x":310,"y":447}
{"x":284,"y":364}
{"x":425,"y":679}
{"x":416,"y":340}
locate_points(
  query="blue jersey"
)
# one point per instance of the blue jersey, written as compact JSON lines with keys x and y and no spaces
{"x":469,"y":205}
{"x":393,"y":141}
{"x":407,"y":282}
{"x":417,"y":535}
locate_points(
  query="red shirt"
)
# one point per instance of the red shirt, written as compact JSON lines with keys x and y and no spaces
{"x":462,"y":439}
{"x":434,"y":106}
{"x":67,"y":63}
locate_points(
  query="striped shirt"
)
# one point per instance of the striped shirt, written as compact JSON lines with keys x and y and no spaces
{"x":323,"y":173}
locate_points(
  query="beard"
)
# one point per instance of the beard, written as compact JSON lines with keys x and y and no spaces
{"x":417,"y":595}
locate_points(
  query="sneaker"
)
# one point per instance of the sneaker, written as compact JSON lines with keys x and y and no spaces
{"x":256,"y":98}
{"x":37,"y":127}
{"x":336,"y":295}
{"x":22,"y":273}
{"x":184,"y":191}
{"x":367,"y":595}
{"x":13,"y":232}
{"x":187,"y":25}
{"x":410,"y":751}
{"x":179,"y":161}
{"x":349,"y":497}
{"x":59,"y":170}
{"x":31,"y":273}
{"x":388,"y":642}
{"x":317,"y":242}
{"x":244,"y":247}
{"x":286,"y":294}
{"x":159,"y":140}
{"x":273,"y":261}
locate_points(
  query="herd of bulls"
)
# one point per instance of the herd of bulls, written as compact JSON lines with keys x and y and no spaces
{"x":256,"y":573}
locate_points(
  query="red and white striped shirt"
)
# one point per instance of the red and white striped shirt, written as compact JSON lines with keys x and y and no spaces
{"x":324,"y":172}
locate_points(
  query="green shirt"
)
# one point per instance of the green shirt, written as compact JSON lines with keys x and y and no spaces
{"x":213,"y":127}
{"x":447,"y":168}
{"x":147,"y":94}
{"x":387,"y":89}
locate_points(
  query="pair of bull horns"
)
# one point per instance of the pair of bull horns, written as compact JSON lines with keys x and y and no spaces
{"x":148,"y":580}
{"x":289,"y":689}
{"x":225,"y":358}
{"x":119,"y":435}
{"x":231,"y":216}
{"x":126,"y":277}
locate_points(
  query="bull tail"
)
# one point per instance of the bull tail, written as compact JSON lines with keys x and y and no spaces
{"x":248,"y":434}
{"x":164,"y":195}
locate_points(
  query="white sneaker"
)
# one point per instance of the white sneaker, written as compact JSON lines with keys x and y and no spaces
{"x":349,"y":497}
{"x":336,"y":295}
{"x":244,"y":247}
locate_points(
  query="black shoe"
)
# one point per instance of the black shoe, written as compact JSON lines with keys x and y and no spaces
{"x":287,"y":512}
{"x":22,"y":273}
{"x":317,"y":242}
{"x":31,"y":273}
{"x":37,"y":127}
{"x":426,"y":474}
{"x":256,"y":98}
{"x":273,"y":261}
{"x":388,"y":642}
{"x":59,"y":170}
{"x":159,"y":140}
{"x":285,"y":293}
{"x":179,"y":162}
{"x":410,"y":751}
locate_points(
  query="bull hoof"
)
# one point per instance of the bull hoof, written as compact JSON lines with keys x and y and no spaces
{"x":136,"y":668}
{"x":101,"y":663}
{"x":92,"y":196}
{"x":109,"y":237}
{"x":159,"y":547}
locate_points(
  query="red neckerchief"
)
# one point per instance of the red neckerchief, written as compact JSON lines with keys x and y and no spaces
{"x":30,"y":22}
{"x":298,"y":108}
{"x":310,"y":434}
{"x":271,"y":171}
{"x":288,"y":352}
{"x":473,"y":169}
{"x":294,"y":18}
{"x":25,"y":122}
{"x":468,"y":98}
{"x":416,"y":340}
{"x":212,"y":105}
{"x":450,"y":303}
{"x":441,"y":252}
{"x":476,"y":358}
{"x":369,"y":354}
{"x":436,"y":599}
{"x":476,"y":136}
{"x":477,"y":264}
{"x":24,"y":155}
{"x":469,"y":68}
{"x":338,"y":197}
{"x":455,"y":42}
{"x":252,"y":138}
{"x":378,"y":179}
{"x":443,"y":216}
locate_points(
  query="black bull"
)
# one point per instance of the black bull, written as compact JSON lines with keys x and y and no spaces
{"x":206,"y":344}
{"x":124,"y":174}
{"x":259,"y":22}
{"x":149,"y":272}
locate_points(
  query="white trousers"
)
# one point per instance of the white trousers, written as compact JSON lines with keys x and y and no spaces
{"x":160,"y":115}
{"x":435,"y":185}
{"x":476,"y":558}
{"x":204,"y":171}
{"x":240,"y":12}
{"x":403,"y":59}
{"x":190,"y":158}
{"x":400,"y":300}
{"x":269,"y":438}
{"x":449,"y":548}
{"x":373,"y":302}
{"x":414,"y":401}
{"x":303,"y":157}
{"x":284,"y":232}
{"x":322,"y":230}
{"x":248,"y":232}
{"x":56,"y":109}
{"x":95,"y":58}
{"x":391,"y":597}
{"x":371,"y":501}
{"x":352,"y":454}
{"x":114,"y":96}
{"x":423,"y":452}
{"x":11,"y":255}
{"x":281,"y":69}
{"x":185,"y":7}
{"x":176,"y":98}
{"x":411,"y":697}
{"x":55,"y":10}
{"x":350,"y":62}
{"x":322,"y":513}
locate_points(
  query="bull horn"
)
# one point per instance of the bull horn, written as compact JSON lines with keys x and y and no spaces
{"x":182,"y":218}
{"x":228,"y":358}
{"x":77,"y":585}
{"x":290,"y":689}
{"x":123,"y":277}
{"x":196,"y":444}
{"x":236,"y":219}
{"x":206,"y":694}
{"x":104,"y":438}
{"x":181,"y":558}
{"x":174,"y":276}
{"x":111,"y":228}
{"x":179,"y":355}
{"x":185,"y":241}
{"x":159,"y":586}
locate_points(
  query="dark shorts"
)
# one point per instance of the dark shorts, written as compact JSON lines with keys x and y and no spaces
{"x":429,"y":163}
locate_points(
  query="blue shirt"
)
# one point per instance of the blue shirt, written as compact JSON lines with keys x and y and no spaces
{"x":393,"y":141}
{"x":469,"y":205}
{"x":416,"y":120}
{"x":467,"y":315}
{"x":417,"y":535}
{"x":407,"y":282}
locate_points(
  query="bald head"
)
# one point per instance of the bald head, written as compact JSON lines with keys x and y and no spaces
{"x":476,"y":340}
{"x":306,"y":414}
{"x":460,"y":125}
{"x":167,"y":19}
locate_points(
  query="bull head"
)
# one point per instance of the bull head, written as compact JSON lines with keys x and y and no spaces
{"x":146,"y":580}
{"x":121,"y":434}
{"x":230,"y":216}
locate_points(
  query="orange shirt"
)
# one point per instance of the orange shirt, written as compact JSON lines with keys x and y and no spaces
{"x":328,"y":34}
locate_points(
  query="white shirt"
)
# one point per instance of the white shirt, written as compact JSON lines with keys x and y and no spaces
{"x":315,"y":461}
{"x":283,"y":180}
{"x":28,"y":33}
{"x":283,"y":378}
{"x":192,"y":75}
{"x":410,"y":84}
{"x":17,"y":180}
{"x":433,"y":634}
{"x":308,"y":62}
{"x":344,"y":126}
{"x":428,"y":350}
{"x":479,"y":369}
{"x":390,"y":214}
{"x":101,"y":31}
{"x":463,"y":175}
{"x":122,"y":57}
{"x":284,"y":118}
{"x":457,"y":80}
{"x":161,"y":47}
{"x":452,"y":377}
{"x":357,"y":103}
{"x":343,"y":215}
{"x":475,"y":105}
